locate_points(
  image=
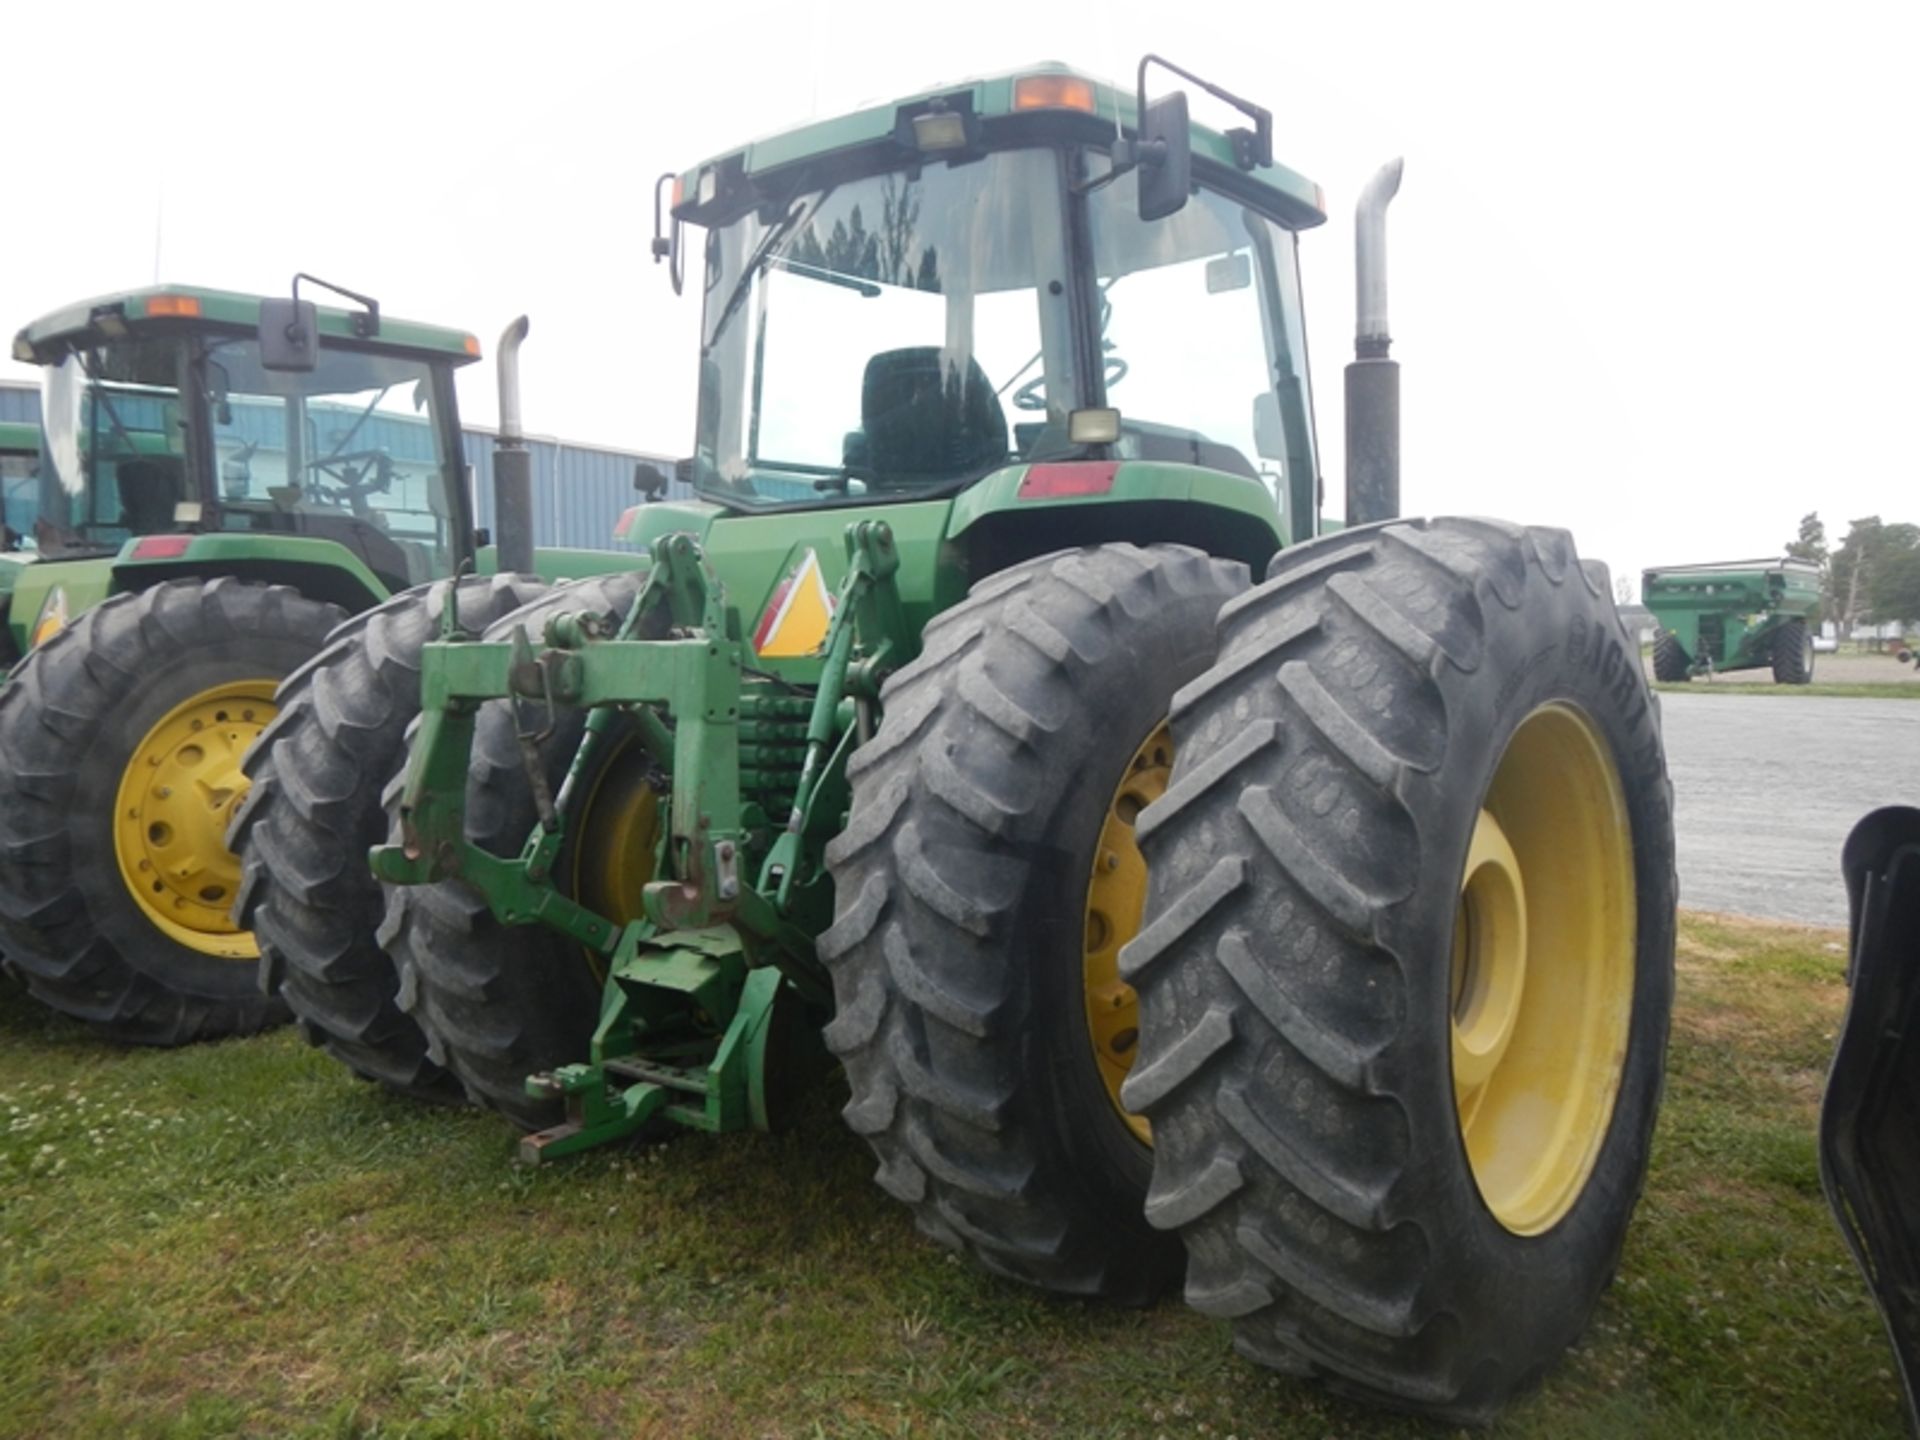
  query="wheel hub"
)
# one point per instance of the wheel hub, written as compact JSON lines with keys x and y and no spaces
{"x":1542,"y":970}
{"x":177,"y":795}
{"x":1116,"y":896}
{"x":1489,"y":962}
{"x":617,"y":832}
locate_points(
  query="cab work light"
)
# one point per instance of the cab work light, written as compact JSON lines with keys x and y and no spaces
{"x":1053,"y":92}
{"x":940,"y":130}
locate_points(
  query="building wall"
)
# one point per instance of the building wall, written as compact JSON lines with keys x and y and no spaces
{"x":579,"y":491}
{"x":19,"y":404}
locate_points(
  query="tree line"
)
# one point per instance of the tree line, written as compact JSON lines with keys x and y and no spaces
{"x":1871,"y":578}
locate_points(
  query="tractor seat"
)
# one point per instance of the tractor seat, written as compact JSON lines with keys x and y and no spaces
{"x":149,"y":489}
{"x":928,"y":420}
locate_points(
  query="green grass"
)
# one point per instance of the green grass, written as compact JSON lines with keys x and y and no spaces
{"x":241,"y":1239}
{"x":1869,"y":690}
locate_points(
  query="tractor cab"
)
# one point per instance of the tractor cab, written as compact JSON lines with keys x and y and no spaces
{"x":901,"y":302}
{"x":162,"y":417}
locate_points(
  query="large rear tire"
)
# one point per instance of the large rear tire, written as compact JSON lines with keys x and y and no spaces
{"x":1792,"y":653}
{"x":1670,"y":663}
{"x":315,"y":807}
{"x":984,"y":883}
{"x":122,"y":736}
{"x":1406,"y":970}
{"x":499,"y":1002}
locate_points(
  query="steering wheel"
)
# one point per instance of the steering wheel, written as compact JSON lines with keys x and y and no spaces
{"x":1033,"y":394}
{"x":357,"y":473}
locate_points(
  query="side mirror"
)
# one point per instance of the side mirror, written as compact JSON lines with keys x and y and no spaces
{"x":648,"y":480}
{"x":289,"y":336}
{"x":666,"y":234}
{"x":1269,"y":433}
{"x":1166,"y":157}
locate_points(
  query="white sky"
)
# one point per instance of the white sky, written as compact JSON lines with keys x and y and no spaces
{"x":1653,"y":266}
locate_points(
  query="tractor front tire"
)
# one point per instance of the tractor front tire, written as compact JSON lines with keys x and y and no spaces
{"x":986,"y":874}
{"x":1792,"y":653}
{"x":319,"y":772}
{"x":499,"y":1002}
{"x":1670,"y":663}
{"x":1407,"y":963}
{"x":122,"y":736}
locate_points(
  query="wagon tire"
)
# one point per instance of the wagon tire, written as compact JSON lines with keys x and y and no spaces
{"x":1792,"y":653}
{"x":1670,"y":663}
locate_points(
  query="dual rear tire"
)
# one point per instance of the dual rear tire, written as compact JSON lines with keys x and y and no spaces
{"x":496,"y":1002}
{"x":984,"y":882}
{"x":1406,"y":970}
{"x":315,"y":807}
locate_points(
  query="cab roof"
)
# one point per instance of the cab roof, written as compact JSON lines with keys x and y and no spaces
{"x":1099,"y":106}
{"x":194,"y":306}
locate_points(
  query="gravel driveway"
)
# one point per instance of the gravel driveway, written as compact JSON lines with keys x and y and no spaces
{"x":1766,"y":789}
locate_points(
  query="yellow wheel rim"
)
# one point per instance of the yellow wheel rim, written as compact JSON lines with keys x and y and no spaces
{"x":1543,"y":970}
{"x":1116,"y":895}
{"x":179,"y":789}
{"x":616,"y":843}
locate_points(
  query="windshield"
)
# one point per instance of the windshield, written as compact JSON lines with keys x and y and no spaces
{"x":354,"y":451}
{"x":18,"y":503}
{"x":888,"y":336}
{"x":1219,"y":280}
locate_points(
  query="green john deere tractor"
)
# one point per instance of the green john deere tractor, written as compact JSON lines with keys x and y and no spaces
{"x":1733,"y":615}
{"x":1311,"y":940}
{"x":223,"y":480}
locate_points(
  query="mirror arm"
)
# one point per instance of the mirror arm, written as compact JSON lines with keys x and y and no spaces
{"x":1250,"y":147}
{"x":666,"y":243}
{"x":366,"y":325}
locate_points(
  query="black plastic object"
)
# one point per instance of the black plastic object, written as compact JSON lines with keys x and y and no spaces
{"x":1166,"y":156}
{"x":513,"y":507}
{"x":1870,"y":1119}
{"x":289,"y":335}
{"x":1373,"y":440}
{"x":927,"y":420}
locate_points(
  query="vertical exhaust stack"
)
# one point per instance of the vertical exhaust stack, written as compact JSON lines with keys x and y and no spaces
{"x":513,"y":463}
{"x":1373,"y":380}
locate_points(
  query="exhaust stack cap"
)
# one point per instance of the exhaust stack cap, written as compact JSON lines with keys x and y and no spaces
{"x":1371,"y":337}
{"x":509,"y":372}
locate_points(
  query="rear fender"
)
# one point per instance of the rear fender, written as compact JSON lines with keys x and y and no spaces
{"x":319,"y":569}
{"x":1027,"y":510}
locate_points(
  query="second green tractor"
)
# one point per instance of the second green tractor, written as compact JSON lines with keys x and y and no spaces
{"x":218,"y":482}
{"x":1191,"y":887}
